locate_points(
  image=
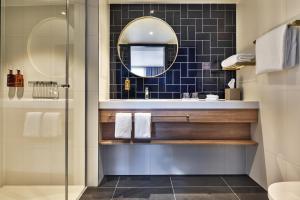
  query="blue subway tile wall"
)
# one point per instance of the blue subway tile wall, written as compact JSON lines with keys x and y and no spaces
{"x":206,"y":35}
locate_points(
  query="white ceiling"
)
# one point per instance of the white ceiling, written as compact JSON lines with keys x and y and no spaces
{"x":174,"y":1}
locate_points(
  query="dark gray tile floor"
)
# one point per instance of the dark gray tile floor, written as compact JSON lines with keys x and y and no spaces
{"x":233,"y":187}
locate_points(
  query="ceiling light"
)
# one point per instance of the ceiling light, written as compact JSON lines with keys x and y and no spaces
{"x":63,"y":13}
{"x":151,"y":33}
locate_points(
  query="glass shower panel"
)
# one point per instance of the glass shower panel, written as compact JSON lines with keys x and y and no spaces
{"x":76,"y":137}
{"x":38,"y":40}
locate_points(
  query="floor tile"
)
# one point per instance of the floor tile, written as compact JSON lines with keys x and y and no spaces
{"x":144,"y":181}
{"x":197,"y":181}
{"x":239,"y":180}
{"x":144,"y":194}
{"x":109,"y":181}
{"x":204,"y":193}
{"x":251,"y":193}
{"x":93,"y":193}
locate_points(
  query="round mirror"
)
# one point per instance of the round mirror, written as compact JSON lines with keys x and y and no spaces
{"x":148,"y":46}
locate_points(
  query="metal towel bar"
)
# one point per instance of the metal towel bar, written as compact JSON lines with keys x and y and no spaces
{"x":187,"y":115}
{"x":295,"y":23}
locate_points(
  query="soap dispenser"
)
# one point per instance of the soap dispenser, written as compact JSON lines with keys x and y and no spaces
{"x":19,"y":81}
{"x":127,"y":84}
{"x":11,"y":79}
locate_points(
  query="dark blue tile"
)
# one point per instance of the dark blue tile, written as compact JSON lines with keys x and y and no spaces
{"x":173,"y":88}
{"x":184,"y":11}
{"x":182,"y":51}
{"x":194,"y":14}
{"x":187,"y":81}
{"x":183,"y":67}
{"x":203,"y":36}
{"x":163,"y":95}
{"x":191,"y":88}
{"x":194,"y":73}
{"x":154,"y":95}
{"x":194,"y":66}
{"x":198,"y":7}
{"x":192,"y":55}
{"x":182,"y":59}
{"x":176,"y":77}
{"x":176,"y":95}
{"x":210,"y":87}
{"x":169,"y":77}
{"x":183,"y":88}
{"x":150,"y":81}
{"x":189,"y":22}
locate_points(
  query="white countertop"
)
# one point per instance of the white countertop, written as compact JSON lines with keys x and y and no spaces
{"x":175,"y":104}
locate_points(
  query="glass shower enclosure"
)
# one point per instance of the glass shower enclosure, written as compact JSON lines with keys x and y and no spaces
{"x":42,"y":99}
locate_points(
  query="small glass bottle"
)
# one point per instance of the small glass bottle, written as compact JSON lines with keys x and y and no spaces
{"x":11,"y":79}
{"x":19,"y":82}
{"x":146,"y":93}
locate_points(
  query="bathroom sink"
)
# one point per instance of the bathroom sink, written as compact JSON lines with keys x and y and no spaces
{"x":175,"y":104}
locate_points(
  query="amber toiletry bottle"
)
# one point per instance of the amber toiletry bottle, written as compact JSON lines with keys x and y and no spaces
{"x":19,"y":79}
{"x":11,"y":79}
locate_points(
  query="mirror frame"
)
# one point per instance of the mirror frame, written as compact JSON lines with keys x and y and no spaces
{"x":140,"y":18}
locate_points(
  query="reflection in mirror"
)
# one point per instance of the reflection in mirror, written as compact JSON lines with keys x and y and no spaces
{"x":148,"y":46}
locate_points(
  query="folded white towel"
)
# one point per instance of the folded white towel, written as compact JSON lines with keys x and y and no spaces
{"x":123,"y":125}
{"x":142,"y":125}
{"x":51,"y":124}
{"x":276,"y":50}
{"x":234,"y":59}
{"x":32,"y":124}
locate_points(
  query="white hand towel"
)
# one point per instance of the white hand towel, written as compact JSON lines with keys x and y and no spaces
{"x":51,"y":125}
{"x":32,"y":124}
{"x":123,"y":125}
{"x":142,"y":125}
{"x":276,"y":50}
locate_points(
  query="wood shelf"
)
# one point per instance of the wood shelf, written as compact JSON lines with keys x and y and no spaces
{"x":191,"y":142}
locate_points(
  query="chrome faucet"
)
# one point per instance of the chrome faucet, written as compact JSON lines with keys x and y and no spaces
{"x":146,"y":93}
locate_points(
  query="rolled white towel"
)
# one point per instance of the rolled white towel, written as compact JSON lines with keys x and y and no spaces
{"x":234,"y":59}
{"x":32,"y":124}
{"x":123,"y":125}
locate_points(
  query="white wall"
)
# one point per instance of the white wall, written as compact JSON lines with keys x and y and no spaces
{"x":1,"y":94}
{"x":104,"y":38}
{"x":94,"y":165}
{"x":278,"y":93}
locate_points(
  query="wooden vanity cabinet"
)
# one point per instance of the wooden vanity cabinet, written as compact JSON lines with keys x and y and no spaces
{"x":228,"y":126}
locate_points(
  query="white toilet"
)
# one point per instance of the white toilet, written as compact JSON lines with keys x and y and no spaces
{"x":284,"y":191}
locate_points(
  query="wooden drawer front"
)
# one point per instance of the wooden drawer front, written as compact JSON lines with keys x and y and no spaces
{"x":193,"y":116}
{"x":189,"y":131}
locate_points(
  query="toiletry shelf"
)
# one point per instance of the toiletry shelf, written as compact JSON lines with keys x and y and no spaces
{"x":191,"y":142}
{"x":238,"y":66}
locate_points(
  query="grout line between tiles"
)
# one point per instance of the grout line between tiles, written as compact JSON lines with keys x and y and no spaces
{"x":172,"y":188}
{"x":115,"y":188}
{"x":230,"y":188}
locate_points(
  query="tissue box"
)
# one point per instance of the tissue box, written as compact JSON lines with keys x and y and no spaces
{"x":232,"y":94}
